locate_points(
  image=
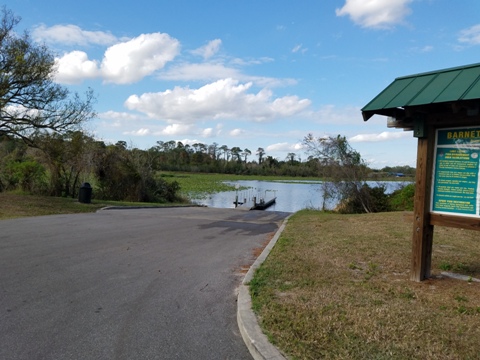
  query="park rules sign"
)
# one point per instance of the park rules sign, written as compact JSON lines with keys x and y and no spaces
{"x":456,"y":171}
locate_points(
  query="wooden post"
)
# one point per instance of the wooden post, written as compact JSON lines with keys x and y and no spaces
{"x":422,"y":239}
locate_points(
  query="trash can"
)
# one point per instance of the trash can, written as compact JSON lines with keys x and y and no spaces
{"x":85,"y":193}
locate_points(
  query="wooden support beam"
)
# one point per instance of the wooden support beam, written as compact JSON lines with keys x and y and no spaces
{"x":422,"y":238}
{"x":470,"y":223}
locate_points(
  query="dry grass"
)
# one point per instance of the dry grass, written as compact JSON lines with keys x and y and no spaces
{"x":337,"y":287}
{"x":14,"y":205}
{"x":19,"y":205}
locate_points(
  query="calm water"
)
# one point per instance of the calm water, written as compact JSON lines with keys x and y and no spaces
{"x":291,"y":196}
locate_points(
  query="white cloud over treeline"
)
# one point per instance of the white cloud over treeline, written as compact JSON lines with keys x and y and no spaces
{"x":222,"y":99}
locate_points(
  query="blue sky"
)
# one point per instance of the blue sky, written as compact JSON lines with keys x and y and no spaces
{"x":251,"y":74}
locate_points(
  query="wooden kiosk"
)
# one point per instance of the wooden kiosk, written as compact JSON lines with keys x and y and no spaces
{"x":442,"y":108}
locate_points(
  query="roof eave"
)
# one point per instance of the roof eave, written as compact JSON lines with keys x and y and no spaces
{"x":396,"y":113}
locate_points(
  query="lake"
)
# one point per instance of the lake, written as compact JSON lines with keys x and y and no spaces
{"x":291,"y":196}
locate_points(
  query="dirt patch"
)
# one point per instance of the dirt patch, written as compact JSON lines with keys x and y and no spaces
{"x":256,"y":252}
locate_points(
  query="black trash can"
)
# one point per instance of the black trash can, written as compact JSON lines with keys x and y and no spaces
{"x":85,"y":193}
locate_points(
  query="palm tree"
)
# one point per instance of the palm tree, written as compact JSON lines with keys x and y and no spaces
{"x":224,"y":149}
{"x":245,"y":154}
{"x":236,"y":153}
{"x":260,"y":153}
{"x":291,"y":157}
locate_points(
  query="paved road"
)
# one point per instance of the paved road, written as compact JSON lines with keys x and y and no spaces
{"x":127,"y":284}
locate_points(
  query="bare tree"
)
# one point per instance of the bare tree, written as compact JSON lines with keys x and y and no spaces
{"x":345,"y":169}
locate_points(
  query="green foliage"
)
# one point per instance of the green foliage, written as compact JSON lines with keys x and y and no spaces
{"x":125,"y":174}
{"x":446,"y":266}
{"x":366,"y":199}
{"x":28,"y":175}
{"x":403,"y":199}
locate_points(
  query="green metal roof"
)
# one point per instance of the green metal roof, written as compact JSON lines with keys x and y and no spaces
{"x":448,"y":85}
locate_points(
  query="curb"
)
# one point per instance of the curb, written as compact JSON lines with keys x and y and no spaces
{"x":257,"y":342}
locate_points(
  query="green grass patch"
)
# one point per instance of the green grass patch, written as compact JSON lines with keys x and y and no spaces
{"x":338,"y":287}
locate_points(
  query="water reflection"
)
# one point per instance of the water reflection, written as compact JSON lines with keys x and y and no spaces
{"x":291,"y":196}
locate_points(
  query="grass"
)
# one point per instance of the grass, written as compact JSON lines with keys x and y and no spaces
{"x":338,"y":287}
{"x":197,"y":186}
{"x":14,"y":205}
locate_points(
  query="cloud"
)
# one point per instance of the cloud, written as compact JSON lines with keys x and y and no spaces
{"x":384,"y":136}
{"x":130,"y":61}
{"x":204,"y":71}
{"x":379,"y":14}
{"x":471,"y":35}
{"x":115,"y":115}
{"x":189,"y":141}
{"x":212,"y":71}
{"x":425,"y":49}
{"x":74,"y":67}
{"x":123,"y":63}
{"x":139,"y":132}
{"x":251,"y":61}
{"x":222,"y":99}
{"x":209,"y":49}
{"x":71,"y":35}
{"x":175,"y":129}
{"x":237,"y":132}
{"x":208,"y":132}
{"x":299,"y":48}
{"x":285,"y":147}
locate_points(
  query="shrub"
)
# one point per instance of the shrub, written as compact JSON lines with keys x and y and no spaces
{"x":402,"y":199}
{"x":28,"y":176}
{"x":365,"y":199}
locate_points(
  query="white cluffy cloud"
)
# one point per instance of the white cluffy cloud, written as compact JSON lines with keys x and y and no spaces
{"x":130,"y":61}
{"x":123,"y":63}
{"x":376,"y":13}
{"x":75,"y":67}
{"x":285,"y":147}
{"x":72,"y":35}
{"x":471,"y":35}
{"x":222,"y":99}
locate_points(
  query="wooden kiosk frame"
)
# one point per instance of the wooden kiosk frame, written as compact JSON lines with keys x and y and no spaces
{"x":426,"y":104}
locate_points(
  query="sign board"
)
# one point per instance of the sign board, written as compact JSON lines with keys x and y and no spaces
{"x":455,"y":188}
